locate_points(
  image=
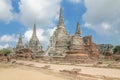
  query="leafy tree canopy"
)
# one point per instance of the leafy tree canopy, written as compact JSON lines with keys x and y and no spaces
{"x":116,"y":50}
{"x":5,"y":51}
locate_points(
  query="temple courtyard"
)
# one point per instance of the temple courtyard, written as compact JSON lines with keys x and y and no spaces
{"x":31,"y":70}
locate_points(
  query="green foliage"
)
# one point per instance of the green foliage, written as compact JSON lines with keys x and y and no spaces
{"x":5,"y":51}
{"x":103,"y":47}
{"x":116,"y":50}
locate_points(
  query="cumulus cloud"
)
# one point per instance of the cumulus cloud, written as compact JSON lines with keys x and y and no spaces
{"x":4,"y":46}
{"x":8,"y":38}
{"x":43,"y":12}
{"x":43,"y":35}
{"x":6,"y":10}
{"x":103,"y":16}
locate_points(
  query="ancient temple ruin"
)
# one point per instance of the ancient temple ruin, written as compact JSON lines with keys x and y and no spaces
{"x":32,"y":48}
{"x":59,"y":40}
{"x":20,"y":43}
{"x":62,"y":44}
{"x":77,"y":47}
{"x":34,"y":43}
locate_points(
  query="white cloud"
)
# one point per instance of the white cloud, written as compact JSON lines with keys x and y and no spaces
{"x":43,"y":35}
{"x":103,"y":28}
{"x":103,"y":16}
{"x":43,"y":12}
{"x":6,"y":10}
{"x":4,"y":46}
{"x":8,"y":38}
{"x":74,"y":1}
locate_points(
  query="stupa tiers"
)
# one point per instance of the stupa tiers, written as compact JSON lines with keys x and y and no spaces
{"x":19,"y":44}
{"x":71,"y":47}
{"x":59,"y":40}
{"x":77,"y":48}
{"x":32,"y":48}
{"x":76,"y":42}
{"x":34,"y":43}
{"x":62,"y":46}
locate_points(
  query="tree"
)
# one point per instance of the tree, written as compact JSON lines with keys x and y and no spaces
{"x":103,"y":48}
{"x":5,"y":51}
{"x":116,"y":50}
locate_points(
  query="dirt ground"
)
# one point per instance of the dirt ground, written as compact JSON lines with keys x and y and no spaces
{"x":26,"y":74}
{"x":85,"y":70}
{"x":27,"y":70}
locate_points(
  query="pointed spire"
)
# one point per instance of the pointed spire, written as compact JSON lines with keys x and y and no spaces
{"x":78,"y":29}
{"x":20,"y":39}
{"x":34,"y":43}
{"x":34,"y":36}
{"x":61,"y":22}
{"x":20,"y":44}
{"x":34,"y":31}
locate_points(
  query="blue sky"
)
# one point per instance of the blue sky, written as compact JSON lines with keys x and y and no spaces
{"x":99,"y":18}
